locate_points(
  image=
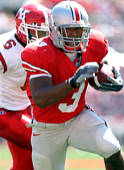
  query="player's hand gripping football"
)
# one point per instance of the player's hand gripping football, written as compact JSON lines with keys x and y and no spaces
{"x":116,"y":82}
{"x":83,"y":72}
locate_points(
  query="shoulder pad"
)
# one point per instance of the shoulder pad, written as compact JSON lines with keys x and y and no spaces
{"x":98,"y":42}
{"x":38,"y":54}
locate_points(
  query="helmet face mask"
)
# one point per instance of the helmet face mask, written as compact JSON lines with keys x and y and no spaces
{"x":30,"y":21}
{"x":73,"y":36}
{"x":34,"y":35}
{"x":33,"y":31}
{"x":62,"y":22}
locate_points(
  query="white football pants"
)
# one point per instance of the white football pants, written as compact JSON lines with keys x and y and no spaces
{"x":87,"y":132}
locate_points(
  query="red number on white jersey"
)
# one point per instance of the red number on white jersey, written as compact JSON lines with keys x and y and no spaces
{"x":9,"y":44}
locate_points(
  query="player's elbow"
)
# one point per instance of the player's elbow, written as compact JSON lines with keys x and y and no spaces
{"x":40,"y":102}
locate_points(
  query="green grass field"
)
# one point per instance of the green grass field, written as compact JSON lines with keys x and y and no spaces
{"x":5,"y":157}
{"x":73,"y":155}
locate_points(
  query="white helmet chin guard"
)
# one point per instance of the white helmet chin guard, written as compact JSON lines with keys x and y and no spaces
{"x":65,"y":15}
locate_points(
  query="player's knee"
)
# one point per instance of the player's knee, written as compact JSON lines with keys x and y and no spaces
{"x":107,"y":143}
{"x":39,"y":161}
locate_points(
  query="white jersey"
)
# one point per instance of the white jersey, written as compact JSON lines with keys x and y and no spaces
{"x":12,"y":75}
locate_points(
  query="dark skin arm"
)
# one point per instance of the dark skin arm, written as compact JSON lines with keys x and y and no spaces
{"x":44,"y":93}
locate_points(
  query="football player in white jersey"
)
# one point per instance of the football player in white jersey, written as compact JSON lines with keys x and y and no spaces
{"x":15,"y":107}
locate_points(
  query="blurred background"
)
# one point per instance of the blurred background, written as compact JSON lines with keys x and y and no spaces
{"x":108,"y":17}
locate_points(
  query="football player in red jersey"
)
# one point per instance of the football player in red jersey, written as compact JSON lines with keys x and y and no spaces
{"x":15,"y":107}
{"x":58,"y":68}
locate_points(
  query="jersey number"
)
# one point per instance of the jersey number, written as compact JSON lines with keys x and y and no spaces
{"x":71,"y":108}
{"x":9,"y":44}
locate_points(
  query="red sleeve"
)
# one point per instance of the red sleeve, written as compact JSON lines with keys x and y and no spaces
{"x":98,"y":43}
{"x":35,"y":59}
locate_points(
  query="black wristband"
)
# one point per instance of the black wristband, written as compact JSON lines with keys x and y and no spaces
{"x":72,"y":83}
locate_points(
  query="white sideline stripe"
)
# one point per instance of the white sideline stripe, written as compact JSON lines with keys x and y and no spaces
{"x":27,"y":69}
{"x":39,"y":75}
{"x":34,"y":67}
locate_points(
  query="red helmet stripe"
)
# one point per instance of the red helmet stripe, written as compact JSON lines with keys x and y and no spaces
{"x":77,"y":14}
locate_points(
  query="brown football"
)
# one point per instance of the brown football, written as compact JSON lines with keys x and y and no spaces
{"x":101,"y":76}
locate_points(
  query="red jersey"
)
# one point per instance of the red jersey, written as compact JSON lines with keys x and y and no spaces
{"x":42,"y":57}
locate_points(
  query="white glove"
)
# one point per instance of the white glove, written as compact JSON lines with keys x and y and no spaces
{"x":83,"y":72}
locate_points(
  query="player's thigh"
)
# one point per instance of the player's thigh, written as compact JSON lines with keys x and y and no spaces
{"x":49,"y":148}
{"x":90,"y":133}
{"x":13,"y":128}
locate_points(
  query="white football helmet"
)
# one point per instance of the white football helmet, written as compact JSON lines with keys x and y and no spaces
{"x":65,"y":15}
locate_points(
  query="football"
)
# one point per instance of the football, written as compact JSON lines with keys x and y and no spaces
{"x":101,"y":76}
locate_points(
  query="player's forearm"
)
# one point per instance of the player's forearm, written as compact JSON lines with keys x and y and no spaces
{"x":52,"y":94}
